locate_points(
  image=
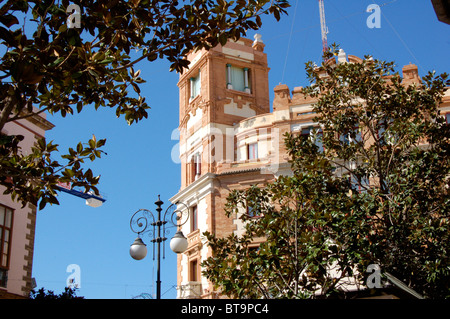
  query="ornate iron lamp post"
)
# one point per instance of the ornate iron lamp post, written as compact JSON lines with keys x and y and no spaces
{"x":139,"y":224}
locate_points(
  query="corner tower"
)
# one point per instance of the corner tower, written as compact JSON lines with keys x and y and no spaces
{"x":222,"y":87}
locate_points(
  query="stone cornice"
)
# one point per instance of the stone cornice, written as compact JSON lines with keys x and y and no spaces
{"x":197,"y":189}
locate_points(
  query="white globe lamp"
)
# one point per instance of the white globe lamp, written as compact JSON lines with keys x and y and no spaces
{"x":178,"y":243}
{"x":138,"y":249}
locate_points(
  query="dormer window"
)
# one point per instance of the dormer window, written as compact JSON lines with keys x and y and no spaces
{"x":238,"y":78}
{"x":195,"y":84}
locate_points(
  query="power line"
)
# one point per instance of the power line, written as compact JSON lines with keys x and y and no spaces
{"x":289,"y":42}
{"x":314,"y":26}
{"x":356,"y":29}
{"x":399,"y":37}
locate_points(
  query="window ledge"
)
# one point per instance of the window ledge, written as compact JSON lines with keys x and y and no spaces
{"x":193,"y":99}
{"x":240,"y":92}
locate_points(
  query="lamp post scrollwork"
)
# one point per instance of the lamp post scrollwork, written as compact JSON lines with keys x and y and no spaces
{"x":144,"y":221}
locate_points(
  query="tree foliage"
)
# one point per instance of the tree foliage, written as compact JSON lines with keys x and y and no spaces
{"x":51,"y":66}
{"x":42,"y":294}
{"x":376,"y":193}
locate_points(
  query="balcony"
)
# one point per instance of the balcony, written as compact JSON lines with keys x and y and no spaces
{"x":190,"y":290}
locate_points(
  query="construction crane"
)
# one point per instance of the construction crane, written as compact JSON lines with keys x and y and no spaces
{"x":91,"y":199}
{"x":323,"y":26}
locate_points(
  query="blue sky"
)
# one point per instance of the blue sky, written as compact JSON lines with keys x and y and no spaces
{"x":139,"y":164}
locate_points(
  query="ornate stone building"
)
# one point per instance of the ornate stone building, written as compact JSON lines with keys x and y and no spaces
{"x":229,"y":139}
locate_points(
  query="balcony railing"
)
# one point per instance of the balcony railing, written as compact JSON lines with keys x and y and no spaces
{"x":190,"y":290}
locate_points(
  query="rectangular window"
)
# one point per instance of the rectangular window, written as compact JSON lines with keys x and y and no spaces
{"x":252,"y":151}
{"x":359,"y":186}
{"x":195,"y":167}
{"x":344,"y":138}
{"x":306,"y":131}
{"x":384,"y":133}
{"x":252,"y":212}
{"x":380,"y":134}
{"x":6,"y":222}
{"x":238,"y":78}
{"x":195,"y":85}
{"x":357,"y":135}
{"x":253,"y":250}
{"x":3,"y":277}
{"x":305,"y":113}
{"x":315,"y":133}
{"x":353,"y":136}
{"x":194,"y":218}
{"x":447,"y":118}
{"x":193,"y":271}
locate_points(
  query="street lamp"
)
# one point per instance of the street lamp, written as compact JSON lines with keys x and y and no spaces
{"x":139,"y":224}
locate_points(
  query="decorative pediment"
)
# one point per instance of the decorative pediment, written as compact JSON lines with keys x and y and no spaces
{"x":194,"y":243}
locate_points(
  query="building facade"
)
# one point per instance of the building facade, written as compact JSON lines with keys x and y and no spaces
{"x":230,"y":139}
{"x":17,"y":224}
